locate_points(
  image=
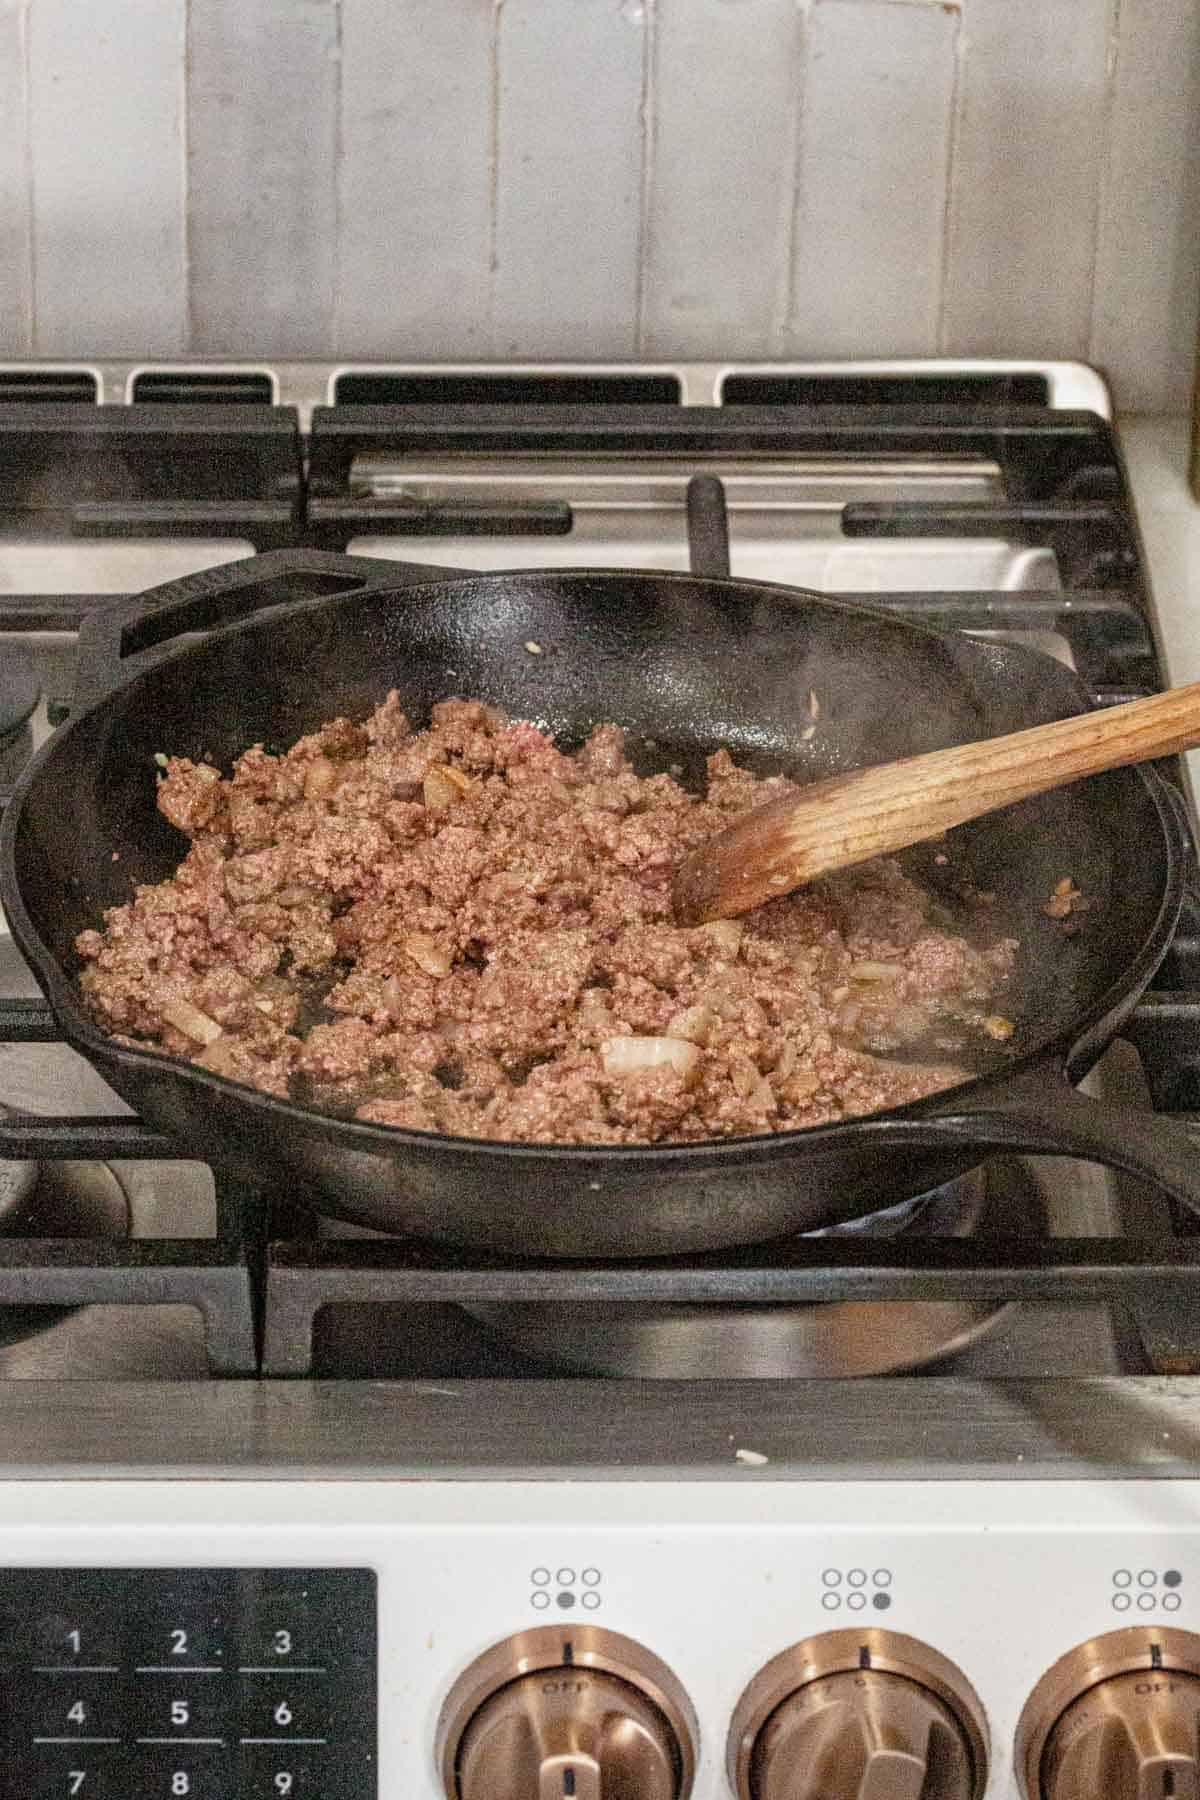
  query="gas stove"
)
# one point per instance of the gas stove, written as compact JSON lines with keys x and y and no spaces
{"x":484,"y":1494}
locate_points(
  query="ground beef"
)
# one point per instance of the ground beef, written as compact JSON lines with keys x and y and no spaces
{"x":465,"y":930}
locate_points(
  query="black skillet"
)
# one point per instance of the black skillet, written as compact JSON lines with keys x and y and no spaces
{"x":689,"y":663}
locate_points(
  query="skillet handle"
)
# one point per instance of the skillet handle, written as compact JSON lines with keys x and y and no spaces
{"x":1041,"y":1114}
{"x":117,"y":641}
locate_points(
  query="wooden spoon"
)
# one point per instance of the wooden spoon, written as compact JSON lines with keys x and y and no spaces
{"x":850,"y":818}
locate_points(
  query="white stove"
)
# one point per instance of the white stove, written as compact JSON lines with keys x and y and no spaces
{"x":377,"y":1554}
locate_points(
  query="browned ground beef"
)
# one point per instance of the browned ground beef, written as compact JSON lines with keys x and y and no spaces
{"x":465,"y":930}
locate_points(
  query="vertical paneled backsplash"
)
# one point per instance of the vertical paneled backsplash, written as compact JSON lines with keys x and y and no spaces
{"x":868,"y":258}
{"x":594,"y":178}
{"x":1028,"y":171}
{"x":262,"y":150}
{"x":105,"y":124}
{"x":568,"y":176}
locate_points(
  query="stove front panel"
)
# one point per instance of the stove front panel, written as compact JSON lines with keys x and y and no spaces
{"x":714,"y":1580}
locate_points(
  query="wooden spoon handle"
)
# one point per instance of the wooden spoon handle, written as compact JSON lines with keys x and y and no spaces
{"x":850,"y":818}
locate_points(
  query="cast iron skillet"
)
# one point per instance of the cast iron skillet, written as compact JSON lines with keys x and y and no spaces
{"x":299,"y":637}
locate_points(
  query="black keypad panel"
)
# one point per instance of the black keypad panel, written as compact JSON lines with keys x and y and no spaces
{"x":187,"y":1684}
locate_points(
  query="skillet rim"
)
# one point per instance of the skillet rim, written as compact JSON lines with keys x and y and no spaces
{"x":389,"y":1140}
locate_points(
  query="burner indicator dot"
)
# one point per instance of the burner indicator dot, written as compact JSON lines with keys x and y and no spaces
{"x":831,"y":1602}
{"x":1172,"y":1578}
{"x":540,"y":1578}
{"x":832,"y":1577}
{"x":881,"y":1602}
{"x":566,"y":1600}
{"x":1122,"y":1578}
{"x":1172,"y":1602}
{"x":1121,"y":1602}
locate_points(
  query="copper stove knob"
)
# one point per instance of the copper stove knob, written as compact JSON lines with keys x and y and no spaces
{"x":1133,"y":1737}
{"x":568,"y":1732}
{"x":1117,"y":1716}
{"x":859,"y":1715}
{"x":582,"y":1714}
{"x":862,"y":1736}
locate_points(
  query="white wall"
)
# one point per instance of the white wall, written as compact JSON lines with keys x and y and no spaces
{"x":475,"y":178}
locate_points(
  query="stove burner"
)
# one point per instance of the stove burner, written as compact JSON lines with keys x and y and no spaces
{"x":680,"y":1342}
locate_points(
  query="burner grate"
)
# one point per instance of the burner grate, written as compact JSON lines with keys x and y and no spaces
{"x":219,"y":1276}
{"x":241,"y":471}
{"x":238,"y":1280}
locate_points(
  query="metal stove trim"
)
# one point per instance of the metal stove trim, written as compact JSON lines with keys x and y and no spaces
{"x":1104,"y":1429}
{"x":211,"y":365}
{"x":1073,"y":386}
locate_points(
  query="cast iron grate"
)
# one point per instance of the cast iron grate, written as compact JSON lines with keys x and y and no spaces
{"x":260,"y":1301}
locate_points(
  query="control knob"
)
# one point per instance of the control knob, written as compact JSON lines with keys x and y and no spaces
{"x":567,"y":1715}
{"x":1118,"y":1716}
{"x":850,"y":1715}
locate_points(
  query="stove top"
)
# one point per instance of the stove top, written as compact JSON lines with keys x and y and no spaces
{"x":979,"y":496}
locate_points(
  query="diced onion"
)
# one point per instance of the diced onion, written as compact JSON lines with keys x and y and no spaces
{"x":191,"y":1021}
{"x":294,"y":896}
{"x":594,"y":1003}
{"x":438,"y":791}
{"x":876,"y":971}
{"x":694,"y":1024}
{"x":638,"y":1055}
{"x":318,"y":778}
{"x":427,"y":953}
{"x":221,"y":1056}
{"x":725,"y":934}
{"x":748,"y":1082}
